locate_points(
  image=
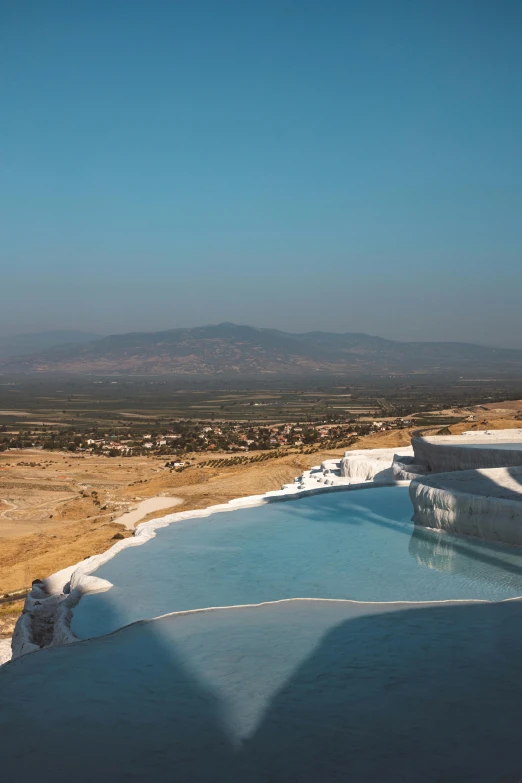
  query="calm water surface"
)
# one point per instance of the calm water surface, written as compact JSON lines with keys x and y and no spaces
{"x":358,"y":545}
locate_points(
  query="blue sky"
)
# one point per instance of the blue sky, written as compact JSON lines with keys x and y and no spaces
{"x":335,"y":165}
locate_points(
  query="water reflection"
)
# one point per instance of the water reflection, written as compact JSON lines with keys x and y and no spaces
{"x":472,"y":559}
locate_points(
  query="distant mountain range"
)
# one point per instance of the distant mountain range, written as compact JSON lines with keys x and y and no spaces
{"x":231,"y":349}
{"x":24,"y":344}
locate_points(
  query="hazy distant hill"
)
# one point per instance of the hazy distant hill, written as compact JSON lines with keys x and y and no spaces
{"x":227,"y":348}
{"x":23,"y":344}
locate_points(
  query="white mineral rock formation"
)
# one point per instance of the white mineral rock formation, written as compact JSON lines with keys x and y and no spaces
{"x":453,"y":452}
{"x":371,"y":464}
{"x":406,"y":468}
{"x":483,"y":503}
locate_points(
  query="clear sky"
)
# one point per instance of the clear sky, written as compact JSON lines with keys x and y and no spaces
{"x":307,"y":164}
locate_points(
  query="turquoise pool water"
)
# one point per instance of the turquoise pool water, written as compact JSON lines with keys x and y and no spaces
{"x":357,"y":545}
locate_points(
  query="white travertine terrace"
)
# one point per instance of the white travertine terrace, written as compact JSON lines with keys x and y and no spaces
{"x":406,"y":468}
{"x":469,"y":484}
{"x":372,"y":464}
{"x":453,"y":452}
{"x":458,"y":505}
{"x":484,"y":503}
{"x":356,"y":467}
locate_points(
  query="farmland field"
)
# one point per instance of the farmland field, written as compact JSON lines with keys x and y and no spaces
{"x":68,"y":401}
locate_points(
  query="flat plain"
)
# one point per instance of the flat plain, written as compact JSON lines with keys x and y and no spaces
{"x":69,"y":401}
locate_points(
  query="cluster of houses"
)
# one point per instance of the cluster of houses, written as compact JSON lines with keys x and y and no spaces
{"x":189,"y":436}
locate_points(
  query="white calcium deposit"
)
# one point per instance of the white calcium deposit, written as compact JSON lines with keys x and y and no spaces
{"x":372,"y":464}
{"x":484,"y":503}
{"x":355,"y":467}
{"x":441,"y":454}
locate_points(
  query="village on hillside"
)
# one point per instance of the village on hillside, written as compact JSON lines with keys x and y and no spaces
{"x":186,"y":436}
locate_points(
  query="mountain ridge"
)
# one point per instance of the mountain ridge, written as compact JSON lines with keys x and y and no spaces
{"x":232,"y":348}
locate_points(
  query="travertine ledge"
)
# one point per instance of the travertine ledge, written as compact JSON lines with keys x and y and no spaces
{"x":483,"y":503}
{"x":441,"y":454}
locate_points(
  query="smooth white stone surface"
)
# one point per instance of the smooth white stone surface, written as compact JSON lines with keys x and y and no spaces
{"x":371,"y":464}
{"x":445,"y":453}
{"x":483,"y":503}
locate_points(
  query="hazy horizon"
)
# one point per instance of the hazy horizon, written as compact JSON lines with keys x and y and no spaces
{"x":341,"y":166}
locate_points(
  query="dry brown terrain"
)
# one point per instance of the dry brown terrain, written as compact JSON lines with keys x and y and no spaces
{"x":58,"y":508}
